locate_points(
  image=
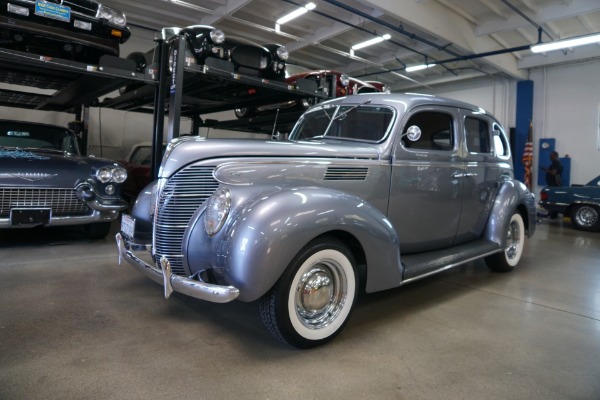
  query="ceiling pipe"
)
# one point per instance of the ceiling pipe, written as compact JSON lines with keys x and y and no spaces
{"x":464,"y":58}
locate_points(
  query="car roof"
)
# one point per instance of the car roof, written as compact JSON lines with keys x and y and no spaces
{"x":405,"y":100}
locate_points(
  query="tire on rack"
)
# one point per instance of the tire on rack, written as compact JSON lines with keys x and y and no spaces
{"x":312,"y":300}
{"x":245,"y":112}
{"x":97,"y":230}
{"x":586,"y":217}
{"x":508,"y":259}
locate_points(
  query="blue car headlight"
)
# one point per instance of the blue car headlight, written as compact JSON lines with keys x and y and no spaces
{"x":111,"y":174}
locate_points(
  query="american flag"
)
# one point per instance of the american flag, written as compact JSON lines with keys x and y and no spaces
{"x":527,"y":159}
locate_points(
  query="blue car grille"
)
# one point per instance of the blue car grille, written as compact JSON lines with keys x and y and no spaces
{"x":63,"y":202}
{"x":179,"y":199}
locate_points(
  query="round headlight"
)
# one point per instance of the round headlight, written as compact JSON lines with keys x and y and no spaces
{"x":344,"y":80}
{"x":217,"y":211}
{"x":110,"y":190}
{"x":104,"y":174}
{"x":217,"y":36}
{"x":119,"y":175}
{"x":282,"y":53}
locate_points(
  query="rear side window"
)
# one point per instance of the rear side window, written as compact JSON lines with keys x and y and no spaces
{"x":478,"y":135}
{"x":436,"y":128}
{"x":500,"y":142}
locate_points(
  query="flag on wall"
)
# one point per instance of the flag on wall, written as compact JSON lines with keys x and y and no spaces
{"x":527,"y":159}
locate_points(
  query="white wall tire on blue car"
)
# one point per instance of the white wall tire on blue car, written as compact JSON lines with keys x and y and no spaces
{"x":311,"y":302}
{"x":508,"y":259}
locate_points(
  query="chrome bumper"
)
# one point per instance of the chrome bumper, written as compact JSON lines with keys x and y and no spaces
{"x":198,"y":289}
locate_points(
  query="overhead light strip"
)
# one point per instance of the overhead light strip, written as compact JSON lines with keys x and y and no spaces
{"x":566,"y":43}
{"x":371,"y":42}
{"x":296,"y":13}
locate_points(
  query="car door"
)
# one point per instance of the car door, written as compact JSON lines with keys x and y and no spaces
{"x":482,"y":173}
{"x":425,"y":193}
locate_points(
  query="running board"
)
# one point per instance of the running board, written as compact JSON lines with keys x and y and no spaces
{"x":420,"y":265}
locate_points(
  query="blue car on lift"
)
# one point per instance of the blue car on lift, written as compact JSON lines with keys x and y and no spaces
{"x":580,"y":202}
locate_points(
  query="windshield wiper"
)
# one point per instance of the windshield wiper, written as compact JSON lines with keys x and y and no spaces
{"x":344,"y":113}
{"x":337,"y":116}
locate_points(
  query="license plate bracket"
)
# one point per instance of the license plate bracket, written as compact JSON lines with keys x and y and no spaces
{"x":127,"y":225}
{"x":53,"y":11}
{"x":30,"y":216}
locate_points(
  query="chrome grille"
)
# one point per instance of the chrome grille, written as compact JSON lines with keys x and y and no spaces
{"x":179,"y":199}
{"x":63,"y":202}
{"x":346,"y":174}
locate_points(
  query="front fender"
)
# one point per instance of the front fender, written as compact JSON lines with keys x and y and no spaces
{"x":512,"y":196}
{"x":142,"y":212}
{"x":265,"y":233}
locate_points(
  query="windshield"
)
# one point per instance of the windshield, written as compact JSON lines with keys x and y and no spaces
{"x":32,"y":136}
{"x":349,"y":122}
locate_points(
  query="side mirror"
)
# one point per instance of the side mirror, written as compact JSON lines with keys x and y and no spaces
{"x":413,"y":133}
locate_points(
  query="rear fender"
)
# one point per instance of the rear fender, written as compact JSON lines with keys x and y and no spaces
{"x":512,"y":196}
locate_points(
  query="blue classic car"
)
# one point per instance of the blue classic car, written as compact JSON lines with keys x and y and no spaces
{"x":371,"y":192}
{"x":580,"y":202}
{"x":44,"y":181}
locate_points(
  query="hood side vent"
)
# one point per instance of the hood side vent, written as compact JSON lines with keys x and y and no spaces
{"x":346,"y":174}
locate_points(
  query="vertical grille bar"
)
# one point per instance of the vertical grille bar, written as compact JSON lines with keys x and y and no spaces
{"x":180,"y":198}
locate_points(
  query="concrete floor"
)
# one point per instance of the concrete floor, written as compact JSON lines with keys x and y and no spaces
{"x":73,"y":325}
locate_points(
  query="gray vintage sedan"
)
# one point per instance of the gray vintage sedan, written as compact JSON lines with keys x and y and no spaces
{"x":370,"y":192}
{"x":44,"y":181}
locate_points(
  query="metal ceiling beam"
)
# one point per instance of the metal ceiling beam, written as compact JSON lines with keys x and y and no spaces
{"x":545,"y":14}
{"x":228,"y":9}
{"x":435,"y":19}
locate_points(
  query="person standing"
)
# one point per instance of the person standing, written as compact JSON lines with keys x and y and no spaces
{"x":554,"y":171}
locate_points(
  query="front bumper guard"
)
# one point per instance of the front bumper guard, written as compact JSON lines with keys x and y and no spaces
{"x":174,"y":283}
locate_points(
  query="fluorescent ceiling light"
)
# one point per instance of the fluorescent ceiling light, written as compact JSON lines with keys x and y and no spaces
{"x":566,"y":43}
{"x":419,"y":67}
{"x":296,"y":13}
{"x":371,"y":42}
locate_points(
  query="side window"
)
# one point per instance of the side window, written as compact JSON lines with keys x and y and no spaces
{"x":437,"y":131}
{"x":478,"y":135}
{"x":500,"y":142}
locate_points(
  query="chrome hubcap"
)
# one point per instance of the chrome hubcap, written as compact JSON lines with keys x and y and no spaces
{"x":513,"y":239}
{"x":586,"y":216}
{"x":320,"y":294}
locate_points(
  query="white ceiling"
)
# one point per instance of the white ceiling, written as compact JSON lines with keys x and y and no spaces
{"x":442,"y":31}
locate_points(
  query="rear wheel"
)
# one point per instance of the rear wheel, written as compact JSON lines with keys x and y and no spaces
{"x":311,"y":302}
{"x":586,"y":217}
{"x":513,"y":249}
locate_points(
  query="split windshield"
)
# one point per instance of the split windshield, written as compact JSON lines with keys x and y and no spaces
{"x":30,"y":136}
{"x":361,"y":122}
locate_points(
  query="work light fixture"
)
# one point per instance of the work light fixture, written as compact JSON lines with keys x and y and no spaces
{"x":294,"y":14}
{"x":419,"y":67}
{"x":566,"y":43}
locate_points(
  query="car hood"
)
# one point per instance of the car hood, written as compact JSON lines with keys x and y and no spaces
{"x":188,"y":150}
{"x":20,"y":167}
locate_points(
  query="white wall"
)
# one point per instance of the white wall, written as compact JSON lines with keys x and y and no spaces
{"x":567,"y":108}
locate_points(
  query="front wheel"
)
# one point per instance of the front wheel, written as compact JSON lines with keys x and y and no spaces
{"x":311,"y":302}
{"x":513,"y":248}
{"x":586,"y":217}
